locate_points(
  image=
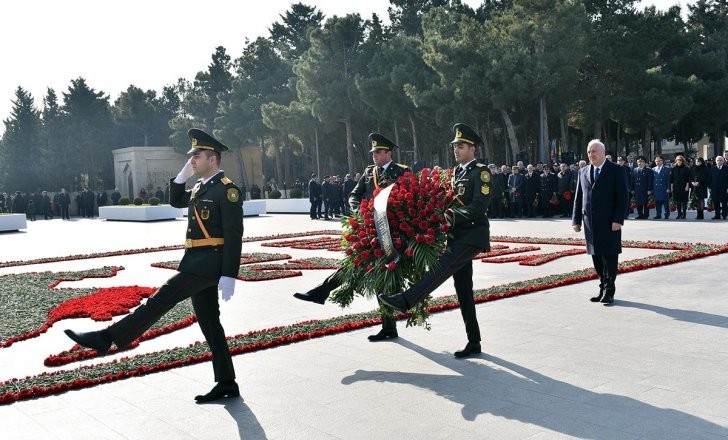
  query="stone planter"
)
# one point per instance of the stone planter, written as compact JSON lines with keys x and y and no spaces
{"x":289,"y":206}
{"x":133,"y":213}
{"x":254,"y":207}
{"x":12,"y":222}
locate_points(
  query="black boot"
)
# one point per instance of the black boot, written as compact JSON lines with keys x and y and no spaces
{"x":700,"y":215}
{"x":100,"y":341}
{"x":317,"y":295}
{"x":223,"y":389}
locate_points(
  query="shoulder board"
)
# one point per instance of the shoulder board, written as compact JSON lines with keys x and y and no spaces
{"x":480,"y":165}
{"x":402,"y":166}
{"x":226,"y":181}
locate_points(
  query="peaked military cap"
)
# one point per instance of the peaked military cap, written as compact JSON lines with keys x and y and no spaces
{"x":464,"y":133}
{"x":379,"y":142}
{"x":203,"y":141}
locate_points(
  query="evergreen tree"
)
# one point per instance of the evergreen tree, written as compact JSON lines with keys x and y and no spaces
{"x":21,"y":148}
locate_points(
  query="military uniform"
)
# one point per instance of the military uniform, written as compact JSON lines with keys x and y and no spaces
{"x":470,"y":233}
{"x":212,"y":250}
{"x":372,"y":178}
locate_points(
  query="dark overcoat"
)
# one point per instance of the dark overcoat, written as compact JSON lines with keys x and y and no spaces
{"x":599,"y":204}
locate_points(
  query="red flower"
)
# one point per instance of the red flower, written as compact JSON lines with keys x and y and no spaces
{"x":378,"y":253}
{"x":352,"y":221}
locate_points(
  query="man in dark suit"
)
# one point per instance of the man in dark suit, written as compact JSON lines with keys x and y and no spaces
{"x":383,"y":172}
{"x":516,"y":186}
{"x":211,"y":262}
{"x":719,"y":187}
{"x":314,"y":196}
{"x":600,"y":203}
{"x":470,"y":235}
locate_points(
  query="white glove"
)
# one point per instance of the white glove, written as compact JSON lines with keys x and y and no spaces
{"x":227,"y":286}
{"x":185,"y":173}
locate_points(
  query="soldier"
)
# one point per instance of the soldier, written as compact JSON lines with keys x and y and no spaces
{"x":383,"y":172}
{"x":211,"y":262}
{"x":641,"y":188}
{"x":471,"y":235}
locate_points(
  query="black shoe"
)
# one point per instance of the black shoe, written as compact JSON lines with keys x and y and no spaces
{"x":219,"y":391}
{"x":657,"y":217}
{"x":596,"y":299}
{"x":470,"y":349}
{"x":98,"y":341}
{"x":608,"y":300}
{"x":397,"y":302}
{"x":313,"y":295}
{"x":385,"y":333}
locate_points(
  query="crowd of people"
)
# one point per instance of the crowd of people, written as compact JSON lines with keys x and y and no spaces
{"x":84,"y":203}
{"x":331,"y":195}
{"x":660,"y":185}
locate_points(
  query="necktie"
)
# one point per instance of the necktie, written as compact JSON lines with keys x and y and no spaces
{"x":380,"y":171}
{"x":596,"y":174}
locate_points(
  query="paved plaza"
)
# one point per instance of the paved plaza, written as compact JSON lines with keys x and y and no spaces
{"x":554,"y":365}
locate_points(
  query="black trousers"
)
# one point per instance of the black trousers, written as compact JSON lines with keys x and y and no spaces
{"x":606,"y":267}
{"x":456,"y":261}
{"x":203,"y":293}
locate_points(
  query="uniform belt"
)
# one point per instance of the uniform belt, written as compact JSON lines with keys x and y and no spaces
{"x":190,"y":243}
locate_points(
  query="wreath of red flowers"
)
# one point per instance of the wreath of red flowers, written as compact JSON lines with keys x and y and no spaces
{"x":418,"y":227}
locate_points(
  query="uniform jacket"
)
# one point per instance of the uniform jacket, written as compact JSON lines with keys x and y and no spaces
{"x":472,"y":191}
{"x":219,"y":205}
{"x":371,"y":180}
{"x":641,"y":183}
{"x":599,"y":204}
{"x":661,"y":183}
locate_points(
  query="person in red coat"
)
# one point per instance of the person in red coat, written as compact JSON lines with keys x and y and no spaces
{"x":599,"y":204}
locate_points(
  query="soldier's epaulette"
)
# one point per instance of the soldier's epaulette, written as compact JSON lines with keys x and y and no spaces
{"x":369,"y":166}
{"x":402,"y":166}
{"x":480,"y":165}
{"x":226,"y":181}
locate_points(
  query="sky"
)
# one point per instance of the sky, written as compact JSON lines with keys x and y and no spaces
{"x":148,"y":43}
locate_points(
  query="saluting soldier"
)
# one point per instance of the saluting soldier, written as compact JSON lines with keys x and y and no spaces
{"x":467,"y":218}
{"x":380,"y":174}
{"x":210,"y":263}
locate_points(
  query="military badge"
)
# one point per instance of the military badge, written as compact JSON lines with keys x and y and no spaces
{"x":205,"y":214}
{"x":485,"y":189}
{"x":461,"y":190}
{"x":485,"y":176}
{"x":194,"y":142}
{"x":233,"y":195}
